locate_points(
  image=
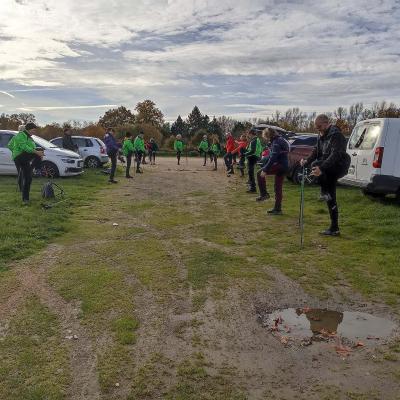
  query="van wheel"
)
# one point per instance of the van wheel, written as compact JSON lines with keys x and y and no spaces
{"x":49,"y":170}
{"x":92,"y":162}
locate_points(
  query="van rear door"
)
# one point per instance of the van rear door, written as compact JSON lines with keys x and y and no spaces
{"x":365,"y":147}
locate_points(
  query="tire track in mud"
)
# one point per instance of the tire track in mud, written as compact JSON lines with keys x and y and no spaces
{"x":32,"y":276}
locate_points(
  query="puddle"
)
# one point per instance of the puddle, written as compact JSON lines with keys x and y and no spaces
{"x":319,"y":324}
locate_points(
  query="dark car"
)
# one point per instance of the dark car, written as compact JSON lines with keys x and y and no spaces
{"x":286,"y":134}
{"x":301,"y":146}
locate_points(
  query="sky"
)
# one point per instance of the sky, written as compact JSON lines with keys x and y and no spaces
{"x":74,"y":59}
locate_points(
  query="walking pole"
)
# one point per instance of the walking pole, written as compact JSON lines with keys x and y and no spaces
{"x":301,"y":216}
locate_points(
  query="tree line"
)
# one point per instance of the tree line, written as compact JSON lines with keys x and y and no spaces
{"x":148,"y":118}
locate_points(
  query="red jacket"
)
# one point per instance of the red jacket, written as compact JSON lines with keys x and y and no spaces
{"x":230,"y":144}
{"x":241,"y":144}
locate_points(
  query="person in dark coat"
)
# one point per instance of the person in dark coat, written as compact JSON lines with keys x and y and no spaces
{"x":112,"y":151}
{"x":277,"y":164}
{"x":329,"y":162}
{"x":67,"y":142}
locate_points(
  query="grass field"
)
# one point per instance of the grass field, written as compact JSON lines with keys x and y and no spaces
{"x":163,"y":303}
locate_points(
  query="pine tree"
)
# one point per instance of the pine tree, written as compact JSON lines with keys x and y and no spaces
{"x":179,"y":127}
{"x":195,"y":121}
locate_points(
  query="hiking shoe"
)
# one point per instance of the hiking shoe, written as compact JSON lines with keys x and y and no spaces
{"x":274,"y":211}
{"x":25,"y":202}
{"x":251,"y":191}
{"x":138,"y":171}
{"x":330,"y":232}
{"x":325,"y":197}
{"x":129,"y":177}
{"x":112,"y":181}
{"x":263,"y":198}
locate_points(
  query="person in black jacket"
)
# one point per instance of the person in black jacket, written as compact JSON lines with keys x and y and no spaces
{"x":329,"y":162}
{"x":67,"y":142}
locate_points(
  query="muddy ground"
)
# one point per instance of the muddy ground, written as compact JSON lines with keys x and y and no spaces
{"x":222,"y":341}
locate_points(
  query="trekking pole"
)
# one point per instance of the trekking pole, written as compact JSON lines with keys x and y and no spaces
{"x":301,"y":216}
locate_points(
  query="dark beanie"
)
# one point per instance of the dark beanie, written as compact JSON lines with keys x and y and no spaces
{"x":29,"y":126}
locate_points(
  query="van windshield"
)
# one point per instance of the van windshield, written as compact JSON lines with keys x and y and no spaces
{"x":364,"y":137}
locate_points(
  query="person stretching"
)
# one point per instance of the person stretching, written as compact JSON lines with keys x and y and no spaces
{"x":276,"y":164}
{"x":138,"y":144}
{"x":253,"y":153}
{"x":128,"y":149}
{"x":178,"y":147}
{"x":204,"y":148}
{"x":228,"y":157}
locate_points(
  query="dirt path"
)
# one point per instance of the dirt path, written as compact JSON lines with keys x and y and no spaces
{"x":204,"y":338}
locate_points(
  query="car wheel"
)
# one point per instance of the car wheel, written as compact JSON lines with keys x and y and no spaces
{"x":92,"y":162}
{"x":49,"y":170}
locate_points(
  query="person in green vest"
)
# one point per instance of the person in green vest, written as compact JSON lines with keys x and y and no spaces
{"x":215,"y":151}
{"x":25,"y":155}
{"x":179,"y":147}
{"x":253,"y":153}
{"x":128,"y":149}
{"x":204,"y":148}
{"x":139,"y":149}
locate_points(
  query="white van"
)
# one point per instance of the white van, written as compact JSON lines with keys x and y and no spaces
{"x":56,"y":162}
{"x":374,"y":148}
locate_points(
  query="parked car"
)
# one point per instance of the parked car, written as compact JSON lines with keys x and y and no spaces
{"x":301,"y":146}
{"x":374,"y":148}
{"x":56,"y":162}
{"x":91,"y":149}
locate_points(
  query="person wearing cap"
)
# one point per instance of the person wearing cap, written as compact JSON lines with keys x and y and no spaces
{"x":128,"y":149}
{"x":139,"y":150}
{"x":67,"y":142}
{"x":204,"y":148}
{"x":25,"y":156}
{"x":179,"y":147}
{"x":276,"y":163}
{"x":228,"y":157}
{"x":153,"y":148}
{"x":253,"y":153}
{"x":112,"y":151}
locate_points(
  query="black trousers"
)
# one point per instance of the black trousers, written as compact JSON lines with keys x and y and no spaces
{"x":328,"y":181}
{"x":113,"y":158}
{"x":139,"y":156}
{"x":251,"y":165}
{"x":228,"y":158}
{"x":152,"y":156}
{"x":215,"y":158}
{"x":178,"y":156}
{"x":24,"y":163}
{"x":128,"y":163}
{"x":204,"y":154}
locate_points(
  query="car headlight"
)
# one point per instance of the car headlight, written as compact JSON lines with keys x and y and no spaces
{"x":68,"y":160}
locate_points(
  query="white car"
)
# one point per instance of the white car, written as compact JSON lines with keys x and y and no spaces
{"x":56,"y":162}
{"x":374,"y":148}
{"x":91,"y":149}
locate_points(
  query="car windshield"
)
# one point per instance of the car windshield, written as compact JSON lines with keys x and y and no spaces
{"x":43,"y":143}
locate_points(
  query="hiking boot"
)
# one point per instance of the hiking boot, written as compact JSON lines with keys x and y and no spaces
{"x":138,"y":171}
{"x":112,"y":181}
{"x":274,"y":211}
{"x":25,"y":202}
{"x":325,"y":197}
{"x":263,"y":198}
{"x":330,"y":232}
{"x":251,"y":190}
{"x":129,"y":177}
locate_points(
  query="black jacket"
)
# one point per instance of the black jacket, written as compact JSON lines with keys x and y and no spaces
{"x":68,"y":144}
{"x":278,"y":155}
{"x":330,"y":151}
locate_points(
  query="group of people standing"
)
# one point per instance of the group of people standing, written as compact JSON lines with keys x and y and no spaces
{"x":131,"y":148}
{"x":327,"y":163}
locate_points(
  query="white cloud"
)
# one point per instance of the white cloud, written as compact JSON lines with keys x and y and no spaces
{"x":7,"y":94}
{"x":306,"y":52}
{"x":51,"y":108}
